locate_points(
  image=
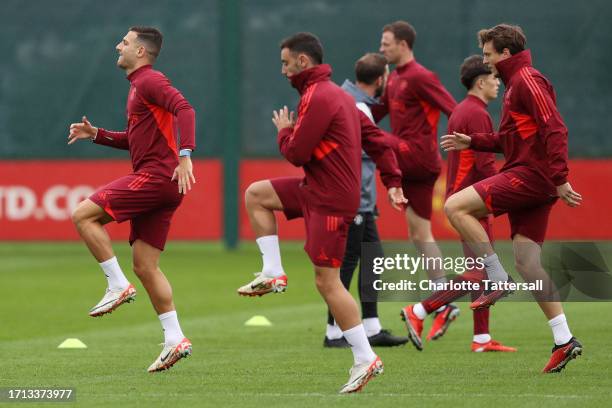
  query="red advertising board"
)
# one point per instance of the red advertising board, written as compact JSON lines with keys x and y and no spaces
{"x":37,"y":199}
{"x":590,"y":221}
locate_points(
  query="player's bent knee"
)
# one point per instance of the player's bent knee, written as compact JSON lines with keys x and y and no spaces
{"x":255,"y":193}
{"x":452,"y":206}
{"x":327,"y":280}
{"x":88,"y":211}
{"x":143,"y":271}
{"x":80,"y":214}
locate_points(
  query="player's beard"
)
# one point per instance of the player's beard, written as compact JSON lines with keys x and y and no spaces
{"x":379,"y":91}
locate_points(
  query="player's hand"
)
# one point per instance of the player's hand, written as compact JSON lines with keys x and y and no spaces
{"x":184,"y":174}
{"x":396,"y":198}
{"x":82,"y":130}
{"x":283,"y":118}
{"x":567,"y":194}
{"x":456,"y":141}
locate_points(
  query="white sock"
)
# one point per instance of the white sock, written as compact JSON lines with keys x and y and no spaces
{"x":482,"y":338}
{"x":419,"y":311}
{"x":114,"y":275}
{"x":362,"y":351}
{"x":439,"y":280}
{"x":560,"y":329}
{"x":270,"y":254}
{"x":440,"y":309}
{"x":494,"y":268}
{"x":172,"y":329}
{"x":372,"y":326}
{"x":333,"y":332}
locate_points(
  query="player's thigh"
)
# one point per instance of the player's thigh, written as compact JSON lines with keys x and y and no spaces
{"x":467,"y":201}
{"x":144,"y":255}
{"x":420,"y":227}
{"x":262,"y":192}
{"x":326,"y":277}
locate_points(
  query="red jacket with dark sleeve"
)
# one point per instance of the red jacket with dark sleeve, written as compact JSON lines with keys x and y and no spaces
{"x":326,"y":142}
{"x":531,"y":131}
{"x":160,"y":123}
{"x":467,"y":167}
{"x":414,"y":98}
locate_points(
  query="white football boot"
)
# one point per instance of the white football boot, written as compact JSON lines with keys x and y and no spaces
{"x":112,"y":300}
{"x":361,"y":374}
{"x":263,"y":284}
{"x":170,"y":355}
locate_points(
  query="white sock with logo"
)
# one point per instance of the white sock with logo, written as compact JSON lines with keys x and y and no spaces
{"x":333,"y":332}
{"x":172,"y":329}
{"x":114,"y":275}
{"x":372,"y":326}
{"x":362,"y":351}
{"x":270,"y":254}
{"x":560,"y":329}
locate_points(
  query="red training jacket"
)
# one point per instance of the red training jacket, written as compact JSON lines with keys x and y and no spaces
{"x":413,"y":98}
{"x":326,"y":142}
{"x":466,"y":167}
{"x":531,"y":131}
{"x":151,"y":133}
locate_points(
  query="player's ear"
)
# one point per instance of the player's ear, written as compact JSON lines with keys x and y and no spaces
{"x":142,"y":51}
{"x":303,"y":61}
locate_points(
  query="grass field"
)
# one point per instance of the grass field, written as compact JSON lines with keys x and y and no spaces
{"x":49,"y":288}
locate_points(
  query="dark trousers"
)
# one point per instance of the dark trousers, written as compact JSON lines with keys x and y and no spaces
{"x":362,"y":229}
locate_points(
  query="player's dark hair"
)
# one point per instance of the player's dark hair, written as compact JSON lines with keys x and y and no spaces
{"x":402,"y":30}
{"x":471,"y":69}
{"x":305,"y":43}
{"x":370,"y":67}
{"x":151,"y":37}
{"x":504,"y":36}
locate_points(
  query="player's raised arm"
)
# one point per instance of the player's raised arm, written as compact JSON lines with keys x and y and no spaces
{"x":85,"y":130}
{"x":297,"y":143}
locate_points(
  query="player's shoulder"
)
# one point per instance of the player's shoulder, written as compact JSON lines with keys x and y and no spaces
{"x":152,"y":77}
{"x":330,"y":92}
{"x":528,"y":77}
{"x":421,"y":72}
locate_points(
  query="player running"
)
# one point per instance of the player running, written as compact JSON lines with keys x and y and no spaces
{"x":533,"y":138}
{"x":464,"y":169}
{"x":326,"y":141}
{"x":413,"y":98}
{"x":371,"y":73}
{"x":162,"y":174}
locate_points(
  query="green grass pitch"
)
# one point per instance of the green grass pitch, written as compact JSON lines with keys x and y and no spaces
{"x":48,"y":288}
